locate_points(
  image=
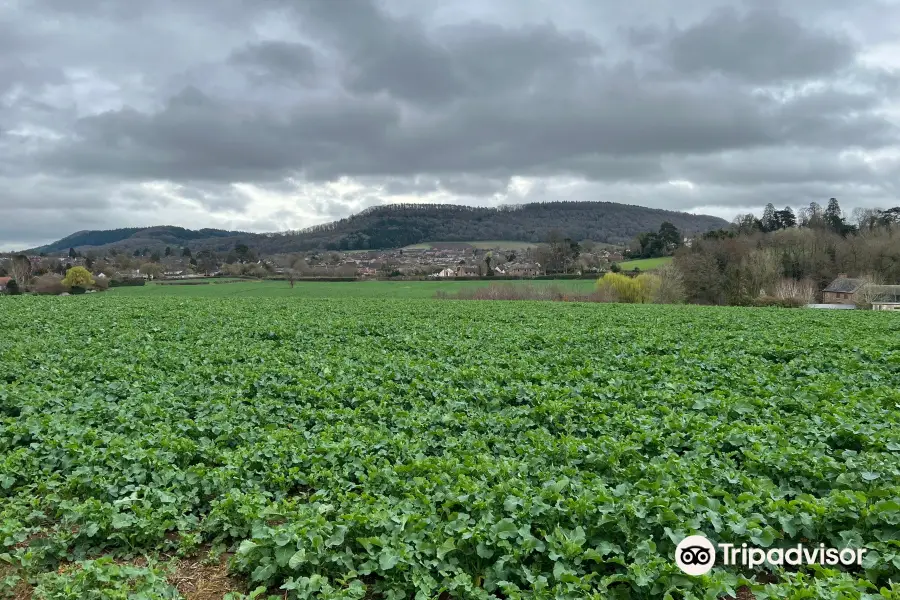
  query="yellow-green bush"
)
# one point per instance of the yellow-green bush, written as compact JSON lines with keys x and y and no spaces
{"x":78,"y":277}
{"x":615,"y":287}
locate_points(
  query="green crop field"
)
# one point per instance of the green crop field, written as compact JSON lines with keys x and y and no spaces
{"x":645,"y":264}
{"x":400,"y":448}
{"x":337,"y":289}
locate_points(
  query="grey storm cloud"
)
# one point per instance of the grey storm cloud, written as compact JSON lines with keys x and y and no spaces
{"x":759,"y":45}
{"x":170,"y":104}
{"x":279,"y":60}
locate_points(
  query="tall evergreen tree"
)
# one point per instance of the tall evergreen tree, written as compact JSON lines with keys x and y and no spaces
{"x":834,"y":219}
{"x":670,"y":236}
{"x":769,"y":220}
{"x":786,"y":218}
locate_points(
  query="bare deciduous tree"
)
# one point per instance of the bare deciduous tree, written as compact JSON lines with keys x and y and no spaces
{"x":151,"y":270}
{"x":300,"y":266}
{"x":761,"y":271}
{"x":791,"y":289}
{"x":51,"y":283}
{"x":869,"y":291}
{"x":20,"y":270}
{"x":670,"y":289}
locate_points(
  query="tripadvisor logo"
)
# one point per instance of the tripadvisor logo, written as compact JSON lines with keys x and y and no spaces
{"x":696,"y":555}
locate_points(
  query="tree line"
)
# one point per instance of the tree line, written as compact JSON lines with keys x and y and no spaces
{"x":814,"y":216}
{"x":780,"y":255}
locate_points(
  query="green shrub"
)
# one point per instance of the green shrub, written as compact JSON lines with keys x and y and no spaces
{"x":128,"y":281}
{"x":764,"y":301}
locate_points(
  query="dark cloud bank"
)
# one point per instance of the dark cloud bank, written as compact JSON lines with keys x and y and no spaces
{"x":280,"y":114}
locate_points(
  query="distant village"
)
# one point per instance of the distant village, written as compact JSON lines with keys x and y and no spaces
{"x":426,"y":261}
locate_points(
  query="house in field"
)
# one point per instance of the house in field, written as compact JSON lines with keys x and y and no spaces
{"x":884,"y":297}
{"x":444,"y":273}
{"x":842,"y":290}
{"x":851,"y":291}
{"x":4,"y":281}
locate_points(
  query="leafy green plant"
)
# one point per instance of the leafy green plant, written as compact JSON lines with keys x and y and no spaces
{"x":257,"y":594}
{"x":105,"y":580}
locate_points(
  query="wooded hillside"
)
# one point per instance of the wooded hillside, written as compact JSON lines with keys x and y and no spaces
{"x":398,"y":225}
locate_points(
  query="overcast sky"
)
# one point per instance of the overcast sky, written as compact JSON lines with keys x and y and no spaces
{"x":267,"y":115}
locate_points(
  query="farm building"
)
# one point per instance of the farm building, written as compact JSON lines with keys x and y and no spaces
{"x":842,"y":290}
{"x":885,"y":297}
{"x":847,"y":291}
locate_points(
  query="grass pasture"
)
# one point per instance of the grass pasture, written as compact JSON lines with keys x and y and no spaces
{"x":336,"y":289}
{"x":373,"y":447}
{"x":200,"y":280}
{"x":645,"y":264}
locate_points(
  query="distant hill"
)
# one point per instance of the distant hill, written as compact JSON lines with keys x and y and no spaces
{"x":135,"y":237}
{"x":398,"y":225}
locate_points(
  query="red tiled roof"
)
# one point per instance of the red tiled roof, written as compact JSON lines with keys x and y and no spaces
{"x":5,"y":280}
